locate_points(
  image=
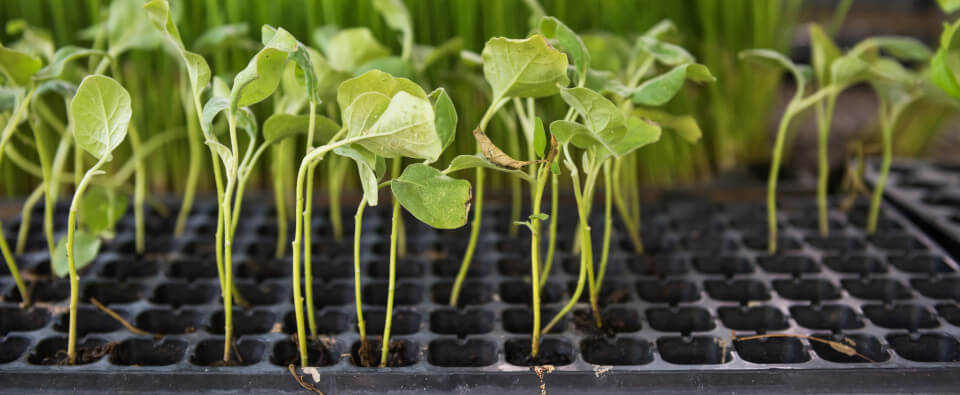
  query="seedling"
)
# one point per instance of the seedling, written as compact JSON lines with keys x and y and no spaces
{"x":100,"y":114}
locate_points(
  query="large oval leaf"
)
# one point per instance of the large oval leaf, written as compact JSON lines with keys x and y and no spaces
{"x":432,"y":197}
{"x":101,"y":114}
{"x":375,"y":81}
{"x":523,"y":68}
{"x":406,"y":128}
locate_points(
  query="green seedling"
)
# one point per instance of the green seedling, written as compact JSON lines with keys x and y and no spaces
{"x":100,"y":114}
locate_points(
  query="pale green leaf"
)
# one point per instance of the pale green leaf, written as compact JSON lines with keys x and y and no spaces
{"x":375,"y":81}
{"x":640,"y":133}
{"x":823,"y":53}
{"x":262,"y":75}
{"x":603,"y":118}
{"x":18,"y":67}
{"x":664,"y":52}
{"x":197,"y":69}
{"x":799,"y":73}
{"x":128,"y":28}
{"x":568,"y":40}
{"x":367,"y":167}
{"x":405,"y":128}
{"x":463,"y":162}
{"x":684,"y":126}
{"x":432,"y":197}
{"x":574,"y":133}
{"x":661,"y":89}
{"x":523,"y":68}
{"x":396,"y":15}
{"x":101,"y":208}
{"x":949,"y":6}
{"x":232,"y":35}
{"x":280,"y":126}
{"x":101,"y":113}
{"x":211,"y":109}
{"x":61,"y":58}
{"x":446,"y":117}
{"x":85,"y":248}
{"x":350,"y":48}
{"x":847,"y":70}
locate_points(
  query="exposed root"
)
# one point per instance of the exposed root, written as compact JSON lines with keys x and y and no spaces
{"x":846,"y":348}
{"x":308,"y":387}
{"x":125,"y":323}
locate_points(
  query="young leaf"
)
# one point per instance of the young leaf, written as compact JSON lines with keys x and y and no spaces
{"x":949,"y":6}
{"x":328,"y":78}
{"x":197,"y":69}
{"x":463,"y":162}
{"x":211,"y":109}
{"x":568,"y":40}
{"x":640,"y":133}
{"x":660,"y":90}
{"x":446,"y":117}
{"x":572,"y":132}
{"x":396,"y":15}
{"x":905,"y":48}
{"x":85,"y":248}
{"x":127,"y":28}
{"x":306,"y":72}
{"x":405,"y":128}
{"x":601,"y":116}
{"x":800,"y":73}
{"x":101,"y":208}
{"x":663,"y":52}
{"x":18,"y":66}
{"x":823,"y":53}
{"x":432,"y":197}
{"x":369,"y":168}
{"x":262,"y":75}
{"x":375,"y":81}
{"x":100,"y":112}
{"x":847,"y":70}
{"x":61,"y":58}
{"x":523,"y":68}
{"x":661,"y":29}
{"x":945,"y":65}
{"x":684,"y":125}
{"x":280,"y":126}
{"x":350,"y":48}
{"x":233,"y":35}
{"x":539,"y":138}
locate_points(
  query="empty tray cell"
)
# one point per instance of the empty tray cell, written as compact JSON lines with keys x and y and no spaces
{"x":148,"y":352}
{"x":460,"y":354}
{"x":680,"y":319}
{"x":614,"y":320}
{"x":192,"y":269}
{"x":811,"y":289}
{"x":868,"y":348}
{"x":760,"y":242}
{"x":15,"y":319}
{"x":12,"y":347}
{"x":896,"y":242}
{"x":169,"y":322}
{"x":812,"y":222}
{"x":333,"y":268}
{"x":179,"y":294}
{"x":89,"y":320}
{"x":920,"y":263}
{"x":622,"y":351}
{"x":611,"y":292}
{"x":514,"y":266}
{"x":209,"y":352}
{"x":331,"y":322}
{"x":907,"y":317}
{"x":615,"y":266}
{"x":462,"y":323}
{"x":520,"y":320}
{"x":698,"y":350}
{"x":826,"y":317}
{"x":927,"y":347}
{"x":723,"y":265}
{"x":757,"y":319}
{"x":113,"y":292}
{"x":742,"y":290}
{"x":405,"y":294}
{"x":946,"y":288}
{"x":401,"y":352}
{"x":41,"y":291}
{"x":876,"y":289}
{"x":405,"y":322}
{"x":520,"y":292}
{"x":670,"y":291}
{"x":656,"y":265}
{"x":263,"y":294}
{"x":950,"y":313}
{"x":127,"y":266}
{"x":471,"y":293}
{"x":552,"y":351}
{"x":199,"y":248}
{"x":406,"y":268}
{"x":285,"y":352}
{"x":710,"y":243}
{"x":772,"y":350}
{"x":450,"y":267}
{"x":836,"y":243}
{"x":333,"y":295}
{"x":863,"y":265}
{"x":788,"y":264}
{"x":263,"y":268}
{"x":53,"y":351}
{"x":245,"y":322}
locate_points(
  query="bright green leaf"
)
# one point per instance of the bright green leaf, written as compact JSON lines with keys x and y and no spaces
{"x":523,"y":68}
{"x":262,"y":75}
{"x":949,"y":6}
{"x":18,"y":67}
{"x":432,"y":197}
{"x":823,"y":53}
{"x":85,"y":248}
{"x":568,"y":40}
{"x":541,"y":216}
{"x":658,"y":91}
{"x":101,"y":114}
{"x":683,"y":125}
{"x":640,"y":133}
{"x":350,"y":48}
{"x":375,"y":81}
{"x":446,"y":117}
{"x":539,"y":138}
{"x":280,"y":126}
{"x":663,"y":52}
{"x":61,"y":58}
{"x":367,"y":168}
{"x":197,"y":69}
{"x":463,"y":162}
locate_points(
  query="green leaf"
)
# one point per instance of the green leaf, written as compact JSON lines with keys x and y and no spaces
{"x":33,"y":40}
{"x":847,"y":70}
{"x":572,"y":132}
{"x":640,"y":133}
{"x":658,"y":91}
{"x":603,"y":118}
{"x":800,"y":73}
{"x":328,"y":78}
{"x":446,"y":117}
{"x":405,"y":128}
{"x":541,"y":216}
{"x":211,"y":109}
{"x":905,"y":48}
{"x":949,"y":6}
{"x":262,"y":75}
{"x":280,"y":126}
{"x":395,"y":14}
{"x":306,"y":72}
{"x":942,"y":75}
{"x":369,"y":168}
{"x":463,"y":162}
{"x":197,"y":69}
{"x":101,"y":208}
{"x":85,"y":248}
{"x":100,"y":112}
{"x":432,"y":197}
{"x":60,"y":87}
{"x":392,"y":65}
{"x":661,"y":29}
{"x":891,"y":71}
{"x":233,"y":35}
{"x":663,"y":52}
{"x":568,"y":40}
{"x":684,"y":125}
{"x":127,"y":28}
{"x":375,"y":81}
{"x":823,"y":52}
{"x":18,"y":67}
{"x":539,"y":138}
{"x":523,"y":68}
{"x":608,"y":52}
{"x":350,"y":48}
{"x":61,"y":58}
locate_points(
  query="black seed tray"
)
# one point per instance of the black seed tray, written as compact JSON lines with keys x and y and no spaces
{"x":927,"y":192}
{"x":705,"y":275}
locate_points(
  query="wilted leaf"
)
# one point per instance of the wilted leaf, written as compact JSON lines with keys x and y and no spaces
{"x":661,"y":89}
{"x":432,"y":197}
{"x":85,"y":249}
{"x":101,"y":113}
{"x":523,"y":68}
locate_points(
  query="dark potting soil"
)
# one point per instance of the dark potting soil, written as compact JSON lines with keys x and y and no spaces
{"x":706,"y":273}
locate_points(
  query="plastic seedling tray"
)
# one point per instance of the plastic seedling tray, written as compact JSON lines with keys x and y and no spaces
{"x":929,"y":193}
{"x":669,"y":313}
